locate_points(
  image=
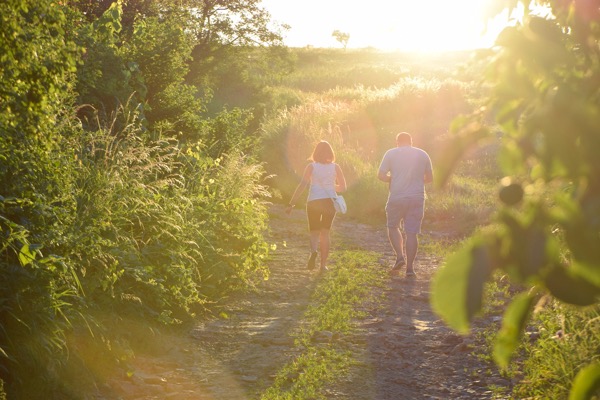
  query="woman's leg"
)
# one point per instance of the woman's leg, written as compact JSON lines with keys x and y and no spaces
{"x":324,"y":239}
{"x":314,"y":241}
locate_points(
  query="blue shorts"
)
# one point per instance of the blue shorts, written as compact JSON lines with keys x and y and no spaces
{"x":408,"y":211}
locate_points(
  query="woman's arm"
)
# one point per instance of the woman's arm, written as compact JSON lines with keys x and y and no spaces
{"x":340,"y":179}
{"x":300,"y":188}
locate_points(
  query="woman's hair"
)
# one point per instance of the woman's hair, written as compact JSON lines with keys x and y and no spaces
{"x":323,"y":153}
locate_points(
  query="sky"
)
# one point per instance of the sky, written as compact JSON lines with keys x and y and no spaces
{"x":406,"y":25}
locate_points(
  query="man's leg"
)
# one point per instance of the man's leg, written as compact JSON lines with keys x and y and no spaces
{"x":412,"y":226}
{"x":412,"y":245}
{"x":397,"y":242}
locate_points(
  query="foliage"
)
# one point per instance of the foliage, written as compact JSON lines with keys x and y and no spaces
{"x":92,"y":10}
{"x":105,"y":79}
{"x":157,"y":223}
{"x":146,"y":65}
{"x":566,"y":340}
{"x":320,"y":70}
{"x":160,"y":47}
{"x":544,"y":96}
{"x":38,"y":289}
{"x":104,"y":214}
{"x":227,"y":133}
{"x":179,"y":64}
{"x":35,"y":64}
{"x":236,"y":48}
{"x":38,"y":295}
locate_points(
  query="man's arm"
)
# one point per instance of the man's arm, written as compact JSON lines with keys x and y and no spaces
{"x":384,"y":176}
{"x":428,"y":178}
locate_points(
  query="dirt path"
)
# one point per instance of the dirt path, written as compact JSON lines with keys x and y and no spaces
{"x":407,"y":352}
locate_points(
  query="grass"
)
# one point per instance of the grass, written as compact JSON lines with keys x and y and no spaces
{"x":322,"y":357}
{"x":566,"y":340}
{"x":559,"y":341}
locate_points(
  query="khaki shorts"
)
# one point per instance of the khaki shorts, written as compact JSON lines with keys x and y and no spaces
{"x":408,"y":212}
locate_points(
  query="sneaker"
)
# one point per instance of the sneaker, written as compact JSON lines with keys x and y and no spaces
{"x":397,"y":267}
{"x":411,"y":274}
{"x":312,"y":260}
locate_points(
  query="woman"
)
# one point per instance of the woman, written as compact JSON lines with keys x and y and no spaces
{"x":325,"y":179}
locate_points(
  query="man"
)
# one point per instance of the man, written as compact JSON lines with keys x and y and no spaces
{"x":407,"y":169}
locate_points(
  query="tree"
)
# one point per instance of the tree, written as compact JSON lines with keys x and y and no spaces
{"x":93,"y":10}
{"x":230,"y":38}
{"x":341,"y":37}
{"x":544,"y":81}
{"x":105,"y":79}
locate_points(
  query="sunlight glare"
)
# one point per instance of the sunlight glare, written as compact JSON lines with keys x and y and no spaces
{"x":422,"y":26}
{"x":407,"y":25}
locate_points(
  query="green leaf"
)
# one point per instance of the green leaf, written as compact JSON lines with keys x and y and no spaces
{"x":510,"y":158}
{"x":513,"y":324}
{"x":571,"y":288}
{"x":588,"y":271}
{"x":586,"y":383}
{"x":27,"y":254}
{"x":457,"y":287}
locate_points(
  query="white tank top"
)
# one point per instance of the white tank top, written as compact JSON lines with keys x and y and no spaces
{"x":322,"y":181}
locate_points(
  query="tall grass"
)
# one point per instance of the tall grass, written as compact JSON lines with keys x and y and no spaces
{"x":165,"y":230}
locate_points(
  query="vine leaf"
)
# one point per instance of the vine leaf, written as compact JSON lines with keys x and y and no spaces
{"x":27,"y":254}
{"x":571,"y":288}
{"x":457,"y":287}
{"x":586,"y":383}
{"x":513,"y":325}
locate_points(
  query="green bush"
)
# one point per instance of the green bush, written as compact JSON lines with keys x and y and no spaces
{"x":102,"y":219}
{"x":39,"y":290}
{"x":162,"y":229}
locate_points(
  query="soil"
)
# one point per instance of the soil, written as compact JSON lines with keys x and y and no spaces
{"x":407,"y":352}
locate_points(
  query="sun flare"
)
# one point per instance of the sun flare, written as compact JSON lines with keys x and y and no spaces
{"x":423,"y":26}
{"x":408,"y":25}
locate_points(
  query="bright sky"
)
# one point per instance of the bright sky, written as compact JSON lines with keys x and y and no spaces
{"x":408,"y":25}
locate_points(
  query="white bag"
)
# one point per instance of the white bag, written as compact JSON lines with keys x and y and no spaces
{"x":340,"y":204}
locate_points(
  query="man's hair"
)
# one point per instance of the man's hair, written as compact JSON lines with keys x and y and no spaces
{"x":404,"y":138}
{"x":323,"y":153}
